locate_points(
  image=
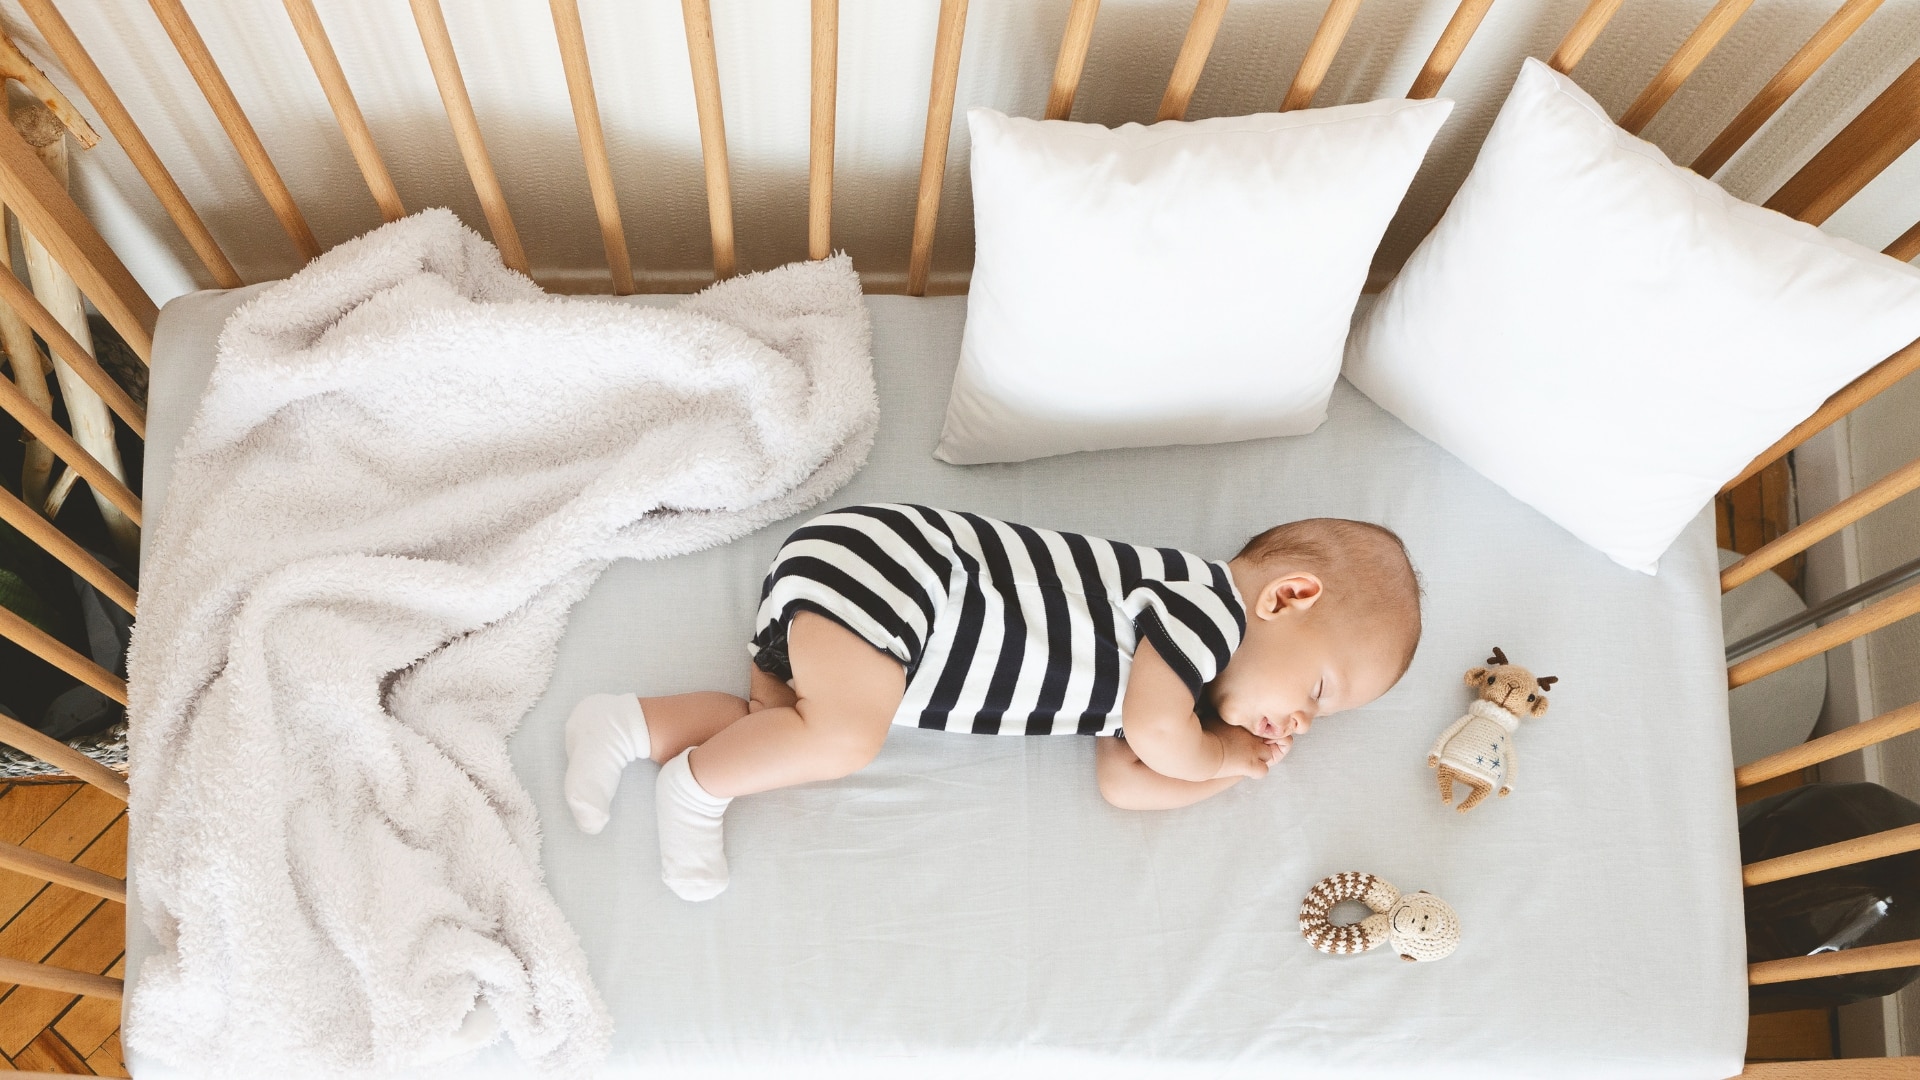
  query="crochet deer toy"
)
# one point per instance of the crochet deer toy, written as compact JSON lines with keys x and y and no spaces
{"x":1478,"y":749}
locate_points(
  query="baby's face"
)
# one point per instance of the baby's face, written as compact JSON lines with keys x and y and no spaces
{"x":1293,"y":667}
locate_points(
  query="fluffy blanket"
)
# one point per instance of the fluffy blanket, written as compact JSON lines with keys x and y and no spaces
{"x":409,"y":464}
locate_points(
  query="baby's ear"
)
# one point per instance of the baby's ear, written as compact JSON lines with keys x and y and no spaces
{"x":1476,"y":676}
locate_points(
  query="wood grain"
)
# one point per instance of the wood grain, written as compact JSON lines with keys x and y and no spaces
{"x":1896,"y":954}
{"x":60,"y":872}
{"x":1446,"y":51}
{"x":1320,"y":53}
{"x":933,"y":151}
{"x":61,"y":756}
{"x":1682,"y":64}
{"x":698,"y":17}
{"x":71,"y":555}
{"x":1827,"y":747}
{"x":1071,"y":60}
{"x":572,"y":37}
{"x":431,"y":21}
{"x":41,"y":426}
{"x":24,"y":303}
{"x":1907,"y":245}
{"x":1194,"y":49}
{"x":1845,"y":853}
{"x":1822,"y":525}
{"x":1880,"y":613}
{"x":1581,"y":36}
{"x":824,"y":84}
{"x":346,"y":108}
{"x":1868,"y":144}
{"x":1845,"y":400}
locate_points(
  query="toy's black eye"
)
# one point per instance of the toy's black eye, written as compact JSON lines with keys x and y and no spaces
{"x":1530,"y":697}
{"x":1489,"y":680}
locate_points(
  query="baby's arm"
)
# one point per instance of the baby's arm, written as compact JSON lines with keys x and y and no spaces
{"x":1439,"y":744}
{"x":1126,"y":782}
{"x":1166,"y":735}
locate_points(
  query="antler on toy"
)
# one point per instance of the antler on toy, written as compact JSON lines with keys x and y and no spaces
{"x":1546,"y":681}
{"x":1498,"y":657}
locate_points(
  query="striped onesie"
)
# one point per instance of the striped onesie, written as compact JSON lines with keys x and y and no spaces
{"x":1004,"y":629}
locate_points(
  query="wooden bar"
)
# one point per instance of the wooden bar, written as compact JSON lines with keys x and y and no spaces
{"x":60,"y":872}
{"x":1581,"y":37}
{"x":1881,"y":133}
{"x":593,"y":141}
{"x":1880,"y":613}
{"x":346,"y":109}
{"x":1784,"y":84}
{"x":825,"y":80}
{"x":1896,"y":954}
{"x":1845,"y":853}
{"x":55,"y":652}
{"x":1845,"y":400}
{"x":1682,"y":64}
{"x":698,"y":17}
{"x":933,"y":153}
{"x":1446,"y":51}
{"x":226,"y":108}
{"x":1822,"y":525}
{"x":1192,"y":59}
{"x":46,"y":209}
{"x":1901,"y":1068}
{"x":1827,"y":747}
{"x":431,"y":21}
{"x":56,"y":543}
{"x":1071,"y":60}
{"x":15,"y":65}
{"x":1320,"y":53}
{"x":1907,"y":246}
{"x":17,"y":296}
{"x":61,"y":756}
{"x":81,"y":68}
{"x":15,"y":403}
{"x":61,"y":980}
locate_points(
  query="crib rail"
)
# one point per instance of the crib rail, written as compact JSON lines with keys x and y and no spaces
{"x":1864,"y":147}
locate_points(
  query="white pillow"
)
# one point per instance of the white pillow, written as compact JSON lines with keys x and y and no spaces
{"x":1610,"y":337}
{"x":1179,"y":283}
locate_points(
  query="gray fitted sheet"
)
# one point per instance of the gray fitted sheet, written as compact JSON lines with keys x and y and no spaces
{"x":969,"y":902}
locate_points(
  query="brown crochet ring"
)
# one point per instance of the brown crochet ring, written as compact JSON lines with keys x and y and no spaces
{"x":1419,"y":926}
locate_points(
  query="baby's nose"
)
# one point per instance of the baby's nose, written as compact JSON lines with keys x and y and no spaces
{"x":1302,"y":723}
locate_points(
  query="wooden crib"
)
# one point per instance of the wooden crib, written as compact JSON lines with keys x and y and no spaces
{"x":1865,"y":146}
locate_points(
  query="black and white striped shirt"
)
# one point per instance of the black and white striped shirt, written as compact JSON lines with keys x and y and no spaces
{"x":1003,"y":628}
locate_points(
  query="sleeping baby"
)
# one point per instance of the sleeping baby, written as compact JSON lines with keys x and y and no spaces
{"x":1202,"y":672}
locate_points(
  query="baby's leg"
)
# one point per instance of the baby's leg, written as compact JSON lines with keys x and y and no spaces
{"x":845,"y":695}
{"x":607,"y":731}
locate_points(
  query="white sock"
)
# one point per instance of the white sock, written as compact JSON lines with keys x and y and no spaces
{"x":693,"y":857}
{"x":604,"y":733}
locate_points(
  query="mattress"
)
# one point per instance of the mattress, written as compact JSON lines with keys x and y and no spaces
{"x":969,"y":902}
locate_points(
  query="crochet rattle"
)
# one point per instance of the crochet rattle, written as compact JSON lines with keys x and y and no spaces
{"x":1478,"y":749}
{"x":1418,"y":925}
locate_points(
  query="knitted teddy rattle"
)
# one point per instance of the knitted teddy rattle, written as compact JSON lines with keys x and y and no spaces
{"x":1418,"y":925}
{"x":1478,"y":749}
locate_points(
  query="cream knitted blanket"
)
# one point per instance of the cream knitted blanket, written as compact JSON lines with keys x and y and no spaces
{"x":409,"y":464}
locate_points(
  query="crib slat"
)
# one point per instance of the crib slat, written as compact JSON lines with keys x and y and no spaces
{"x":1320,"y":53}
{"x":55,"y":652}
{"x":1907,"y":246}
{"x":93,"y":85}
{"x":1845,"y":853}
{"x":1901,"y":1068}
{"x":1782,"y":86}
{"x":1446,"y":51}
{"x":16,"y":403}
{"x":49,"y":212}
{"x":1896,"y":954}
{"x":1194,"y":49}
{"x":56,"y":543}
{"x":431,"y":21}
{"x":61,"y":756}
{"x":698,"y":18}
{"x":593,"y":141}
{"x":1582,"y":35}
{"x":1838,"y":632}
{"x":933,"y":154}
{"x":825,"y":85}
{"x":346,"y":110}
{"x":1827,"y":747}
{"x":1845,"y":400}
{"x":60,"y":872}
{"x":226,"y":108}
{"x":62,"y":980}
{"x":1822,"y":525}
{"x":1882,"y":132}
{"x":1071,"y":60}
{"x":1683,"y":62}
{"x":17,"y":296}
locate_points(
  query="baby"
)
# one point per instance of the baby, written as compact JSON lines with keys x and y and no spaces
{"x":879,"y":615}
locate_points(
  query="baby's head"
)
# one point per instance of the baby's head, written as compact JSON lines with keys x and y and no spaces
{"x":1333,"y":616}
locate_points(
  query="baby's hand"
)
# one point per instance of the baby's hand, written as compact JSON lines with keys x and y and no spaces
{"x":1248,"y":754}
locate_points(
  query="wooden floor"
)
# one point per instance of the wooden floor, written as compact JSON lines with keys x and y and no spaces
{"x":40,"y":1029}
{"x":51,"y":1032}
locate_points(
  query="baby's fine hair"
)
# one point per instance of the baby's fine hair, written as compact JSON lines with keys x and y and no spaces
{"x":1364,"y":567}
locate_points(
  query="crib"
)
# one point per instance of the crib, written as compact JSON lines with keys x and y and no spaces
{"x":1860,"y":150}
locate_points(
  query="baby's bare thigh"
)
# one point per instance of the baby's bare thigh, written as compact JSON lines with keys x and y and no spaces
{"x":839,"y":677}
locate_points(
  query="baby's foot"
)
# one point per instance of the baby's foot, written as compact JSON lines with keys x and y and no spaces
{"x":604,"y":733}
{"x":693,"y":857}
